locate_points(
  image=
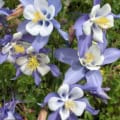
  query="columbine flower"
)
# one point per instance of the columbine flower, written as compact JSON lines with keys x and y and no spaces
{"x":11,"y":48}
{"x":40,"y":14}
{"x":93,"y":58}
{"x":99,"y":19}
{"x":67,"y":103}
{"x":7,"y":112}
{"x":36,"y":64}
{"x":89,"y":63}
{"x":95,"y":23}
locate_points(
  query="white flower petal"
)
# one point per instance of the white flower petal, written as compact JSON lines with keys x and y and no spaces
{"x":110,"y":24}
{"x":10,"y":59}
{"x":55,"y":103}
{"x":10,"y":116}
{"x":6,"y":48}
{"x":1,"y":3}
{"x":45,"y":30}
{"x":94,"y":10}
{"x":29,"y":50}
{"x":100,"y":61}
{"x":93,"y":67}
{"x":64,"y":114}
{"x":44,"y":58}
{"x":79,"y":108}
{"x":43,"y":69}
{"x":26,"y":70}
{"x":40,"y":4}
{"x":76,"y":93}
{"x":29,"y":12}
{"x":97,"y":34}
{"x":21,"y":60}
{"x":33,"y":28}
{"x":87,"y":27}
{"x":51,"y":11}
{"x":17,"y":35}
{"x":105,"y":10}
{"x":89,"y":66}
{"x":63,"y":91}
{"x":95,"y":50}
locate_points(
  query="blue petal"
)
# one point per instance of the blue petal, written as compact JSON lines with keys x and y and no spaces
{"x":28,"y":38}
{"x":26,"y":2}
{"x":3,"y":58}
{"x":18,"y":117}
{"x":36,"y":78}
{"x":94,"y":79}
{"x":66,"y":55}
{"x":84,"y":43}
{"x":40,"y":42}
{"x":4,"y":11}
{"x":72,"y":76}
{"x":95,"y":2}
{"x":94,"y":84}
{"x":111,"y":55}
{"x":5,"y":40}
{"x":18,"y":73}
{"x":116,"y":16}
{"x":72,"y":117}
{"x":54,"y":116}
{"x":61,"y":32}
{"x":54,"y":70}
{"x":21,"y":27}
{"x":103,"y":45}
{"x":78,"y":25}
{"x":47,"y":98}
{"x":57,"y":4}
{"x":89,"y":108}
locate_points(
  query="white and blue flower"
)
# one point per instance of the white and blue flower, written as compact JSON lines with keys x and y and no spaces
{"x":40,"y":16}
{"x":40,"y":21}
{"x":99,"y":19}
{"x":67,"y":102}
{"x":35,"y":64}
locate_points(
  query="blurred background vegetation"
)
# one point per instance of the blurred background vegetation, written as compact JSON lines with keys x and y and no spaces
{"x":24,"y":88}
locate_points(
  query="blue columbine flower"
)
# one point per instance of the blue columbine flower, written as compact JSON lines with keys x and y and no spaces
{"x":7,"y":111}
{"x":96,"y":23}
{"x":35,"y":64}
{"x":11,"y":47}
{"x":40,"y":20}
{"x":88,"y":64}
{"x":68,"y":103}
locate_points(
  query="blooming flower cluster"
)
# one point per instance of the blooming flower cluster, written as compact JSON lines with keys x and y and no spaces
{"x":26,"y":50}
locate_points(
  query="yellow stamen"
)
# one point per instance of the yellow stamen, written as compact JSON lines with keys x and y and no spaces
{"x":89,"y":57}
{"x":19,"y":49}
{"x":69,"y":104}
{"x":102,"y":21}
{"x":33,"y":63}
{"x":38,"y":16}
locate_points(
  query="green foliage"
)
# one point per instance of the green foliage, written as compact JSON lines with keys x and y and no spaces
{"x":24,"y":88}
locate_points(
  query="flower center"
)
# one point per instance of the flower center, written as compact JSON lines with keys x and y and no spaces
{"x":38,"y":16}
{"x":102,"y":21}
{"x":33,"y":63}
{"x":19,"y":49}
{"x":69,"y":104}
{"x":89,"y":57}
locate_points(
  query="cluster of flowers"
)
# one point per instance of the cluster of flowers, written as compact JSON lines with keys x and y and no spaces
{"x":26,"y":50}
